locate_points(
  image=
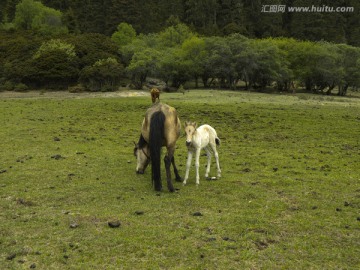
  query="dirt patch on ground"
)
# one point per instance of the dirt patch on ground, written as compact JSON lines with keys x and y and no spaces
{"x":66,"y":94}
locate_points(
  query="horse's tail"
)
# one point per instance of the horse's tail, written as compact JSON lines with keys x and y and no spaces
{"x":155,"y":142}
{"x":217,"y":141}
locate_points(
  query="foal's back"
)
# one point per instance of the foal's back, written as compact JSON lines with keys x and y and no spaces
{"x":207,"y":134}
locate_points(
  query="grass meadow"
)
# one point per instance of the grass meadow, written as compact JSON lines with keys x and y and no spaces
{"x":289,"y":196}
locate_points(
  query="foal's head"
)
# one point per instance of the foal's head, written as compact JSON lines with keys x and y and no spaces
{"x":190,"y":128}
{"x":142,"y":154}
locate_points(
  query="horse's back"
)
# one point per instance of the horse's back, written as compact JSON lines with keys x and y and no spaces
{"x":172,"y":125}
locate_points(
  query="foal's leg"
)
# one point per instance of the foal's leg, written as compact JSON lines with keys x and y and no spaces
{"x":213,"y":146}
{"x":197,"y":164}
{"x":188,"y":164}
{"x":208,"y":154}
{"x":167,"y":160}
{"x":176,"y":172}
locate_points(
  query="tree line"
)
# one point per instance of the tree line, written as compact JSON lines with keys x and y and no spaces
{"x":207,"y":17}
{"x":41,"y":52}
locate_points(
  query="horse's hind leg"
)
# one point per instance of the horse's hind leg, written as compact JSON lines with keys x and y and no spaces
{"x":176,"y":172}
{"x":167,"y":160}
{"x":208,"y":154}
{"x":217,"y":161}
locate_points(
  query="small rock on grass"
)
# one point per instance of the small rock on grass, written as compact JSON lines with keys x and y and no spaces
{"x":197,"y":214}
{"x":74,"y":225}
{"x":11,"y":257}
{"x":114,"y":224}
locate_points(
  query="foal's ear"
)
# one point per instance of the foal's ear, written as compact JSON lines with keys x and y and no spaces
{"x":194,"y":124}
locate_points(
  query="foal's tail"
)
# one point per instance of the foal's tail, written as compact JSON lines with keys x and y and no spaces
{"x":217,"y":141}
{"x":155,"y":142}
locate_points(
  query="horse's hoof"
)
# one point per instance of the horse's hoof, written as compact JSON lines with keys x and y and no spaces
{"x":179,"y":179}
{"x":158,"y":188}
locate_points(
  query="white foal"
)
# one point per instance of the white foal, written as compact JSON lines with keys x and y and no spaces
{"x":203,"y":137}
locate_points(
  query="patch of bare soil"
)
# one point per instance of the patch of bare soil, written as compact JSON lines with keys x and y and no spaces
{"x":66,"y":94}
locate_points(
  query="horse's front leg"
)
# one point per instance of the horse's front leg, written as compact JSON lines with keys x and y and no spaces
{"x":188,"y":164}
{"x":167,"y":161}
{"x":197,"y":165}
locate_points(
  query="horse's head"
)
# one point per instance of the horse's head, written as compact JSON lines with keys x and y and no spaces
{"x":190,"y":128}
{"x":142,"y":155}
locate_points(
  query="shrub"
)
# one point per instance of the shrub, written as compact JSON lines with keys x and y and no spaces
{"x":8,"y":86}
{"x":104,"y":75}
{"x":20,"y":87}
{"x":53,"y":69}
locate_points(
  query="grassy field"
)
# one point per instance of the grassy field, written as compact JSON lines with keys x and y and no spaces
{"x":289,"y":197}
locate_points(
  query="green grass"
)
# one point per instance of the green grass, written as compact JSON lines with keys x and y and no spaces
{"x":289,"y":197}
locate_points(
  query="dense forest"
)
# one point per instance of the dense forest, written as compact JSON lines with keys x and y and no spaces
{"x":208,"y":17}
{"x":224,"y":43}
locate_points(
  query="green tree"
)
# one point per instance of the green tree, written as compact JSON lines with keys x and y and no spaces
{"x":143,"y":63}
{"x":54,"y":65}
{"x":56,"y":45}
{"x":90,"y":47}
{"x":175,"y":35}
{"x":104,"y":75}
{"x":219,"y":64}
{"x":173,"y":67}
{"x":350,"y":64}
{"x":124,"y":35}
{"x":194,"y":54}
{"x":201,"y":14}
{"x":33,"y":15}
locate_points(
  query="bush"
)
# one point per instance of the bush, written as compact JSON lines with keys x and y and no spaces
{"x":8,"y":86}
{"x":76,"y":89}
{"x":53,"y":69}
{"x":20,"y":87}
{"x":104,"y":75}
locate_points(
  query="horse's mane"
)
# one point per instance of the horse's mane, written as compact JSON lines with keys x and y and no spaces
{"x":142,"y":142}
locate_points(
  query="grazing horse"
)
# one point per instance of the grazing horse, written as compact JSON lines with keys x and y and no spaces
{"x":203,"y":137}
{"x":161,"y":127}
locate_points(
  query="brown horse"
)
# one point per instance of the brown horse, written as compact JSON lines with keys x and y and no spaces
{"x":161,"y":127}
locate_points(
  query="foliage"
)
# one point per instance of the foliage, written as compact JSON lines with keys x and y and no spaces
{"x":91,"y":47}
{"x":52,"y":69}
{"x":56,"y":45}
{"x":34,"y":15}
{"x":124,"y":35}
{"x":103,"y":75}
{"x":143,"y":63}
{"x":208,"y":17}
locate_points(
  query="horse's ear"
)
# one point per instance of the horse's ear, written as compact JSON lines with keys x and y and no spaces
{"x":194,"y":124}
{"x":186,"y":124}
